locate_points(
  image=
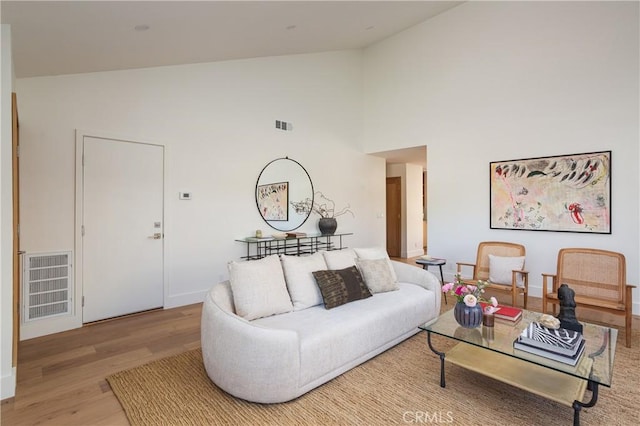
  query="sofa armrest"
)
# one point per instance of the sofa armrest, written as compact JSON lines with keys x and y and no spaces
{"x":246,"y":360}
{"x":415,"y":275}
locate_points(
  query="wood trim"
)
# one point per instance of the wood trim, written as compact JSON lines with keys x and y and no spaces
{"x":394,"y":215}
{"x":16,"y":225}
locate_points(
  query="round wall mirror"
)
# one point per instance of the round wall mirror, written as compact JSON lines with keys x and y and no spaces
{"x":284,"y":194}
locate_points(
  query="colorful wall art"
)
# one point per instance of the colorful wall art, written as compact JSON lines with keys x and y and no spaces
{"x":273,"y":200}
{"x":570,"y":193}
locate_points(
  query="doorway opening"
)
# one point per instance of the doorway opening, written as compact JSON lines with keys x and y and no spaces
{"x":406,"y":198}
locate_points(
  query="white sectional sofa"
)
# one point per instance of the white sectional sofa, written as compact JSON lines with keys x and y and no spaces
{"x":276,"y":340}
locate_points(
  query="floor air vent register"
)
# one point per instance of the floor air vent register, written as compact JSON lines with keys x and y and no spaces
{"x":47,"y":285}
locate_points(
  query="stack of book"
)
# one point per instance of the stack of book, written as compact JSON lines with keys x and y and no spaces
{"x":508,"y":314}
{"x":296,"y":234}
{"x":561,"y":345}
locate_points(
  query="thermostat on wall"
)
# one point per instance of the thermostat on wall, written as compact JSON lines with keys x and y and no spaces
{"x":185,"y":195}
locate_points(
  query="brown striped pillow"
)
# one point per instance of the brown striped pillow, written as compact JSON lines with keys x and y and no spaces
{"x":341,"y":286}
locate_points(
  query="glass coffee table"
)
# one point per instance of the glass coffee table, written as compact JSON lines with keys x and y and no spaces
{"x":489,"y":351}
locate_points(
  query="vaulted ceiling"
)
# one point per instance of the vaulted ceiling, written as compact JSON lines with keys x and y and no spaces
{"x":68,"y":37}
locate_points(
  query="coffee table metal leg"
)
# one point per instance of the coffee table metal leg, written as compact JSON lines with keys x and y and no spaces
{"x":441,"y":355}
{"x":577,"y":405}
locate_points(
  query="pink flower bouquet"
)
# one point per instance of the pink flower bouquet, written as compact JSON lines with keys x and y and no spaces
{"x":470,"y":294}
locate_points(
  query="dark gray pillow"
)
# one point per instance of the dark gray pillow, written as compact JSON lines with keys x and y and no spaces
{"x":341,"y":286}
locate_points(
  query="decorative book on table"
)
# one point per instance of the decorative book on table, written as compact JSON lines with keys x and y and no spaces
{"x":560,"y":344}
{"x":507,"y":313}
{"x":570,"y":360}
{"x":561,"y":340}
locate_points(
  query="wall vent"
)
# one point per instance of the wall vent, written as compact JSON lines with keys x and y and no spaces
{"x":47,"y":285}
{"x":283,"y":125}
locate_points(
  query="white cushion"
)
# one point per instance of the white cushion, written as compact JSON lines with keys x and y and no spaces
{"x":340,"y":259}
{"x":302,"y":286}
{"x":376,"y":253}
{"x":258,"y":287}
{"x":500,"y":269}
{"x":334,"y":338}
{"x":377,"y":275}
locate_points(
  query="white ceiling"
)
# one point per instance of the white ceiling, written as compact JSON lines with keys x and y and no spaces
{"x":69,"y":37}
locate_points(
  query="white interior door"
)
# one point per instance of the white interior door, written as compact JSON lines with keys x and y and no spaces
{"x":122,"y":225}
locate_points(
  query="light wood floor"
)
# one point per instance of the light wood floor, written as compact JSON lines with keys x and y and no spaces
{"x":61,"y":377}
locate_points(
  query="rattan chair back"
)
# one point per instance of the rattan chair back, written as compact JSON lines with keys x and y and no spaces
{"x":496,"y":248}
{"x":594,"y":273}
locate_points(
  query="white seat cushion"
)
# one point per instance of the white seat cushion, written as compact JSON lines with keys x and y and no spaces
{"x":332,"y":338}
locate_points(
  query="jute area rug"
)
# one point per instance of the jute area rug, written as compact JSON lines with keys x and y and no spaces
{"x":400,"y":386}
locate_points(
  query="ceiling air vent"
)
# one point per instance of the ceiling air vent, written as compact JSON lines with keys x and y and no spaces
{"x":47,"y":285}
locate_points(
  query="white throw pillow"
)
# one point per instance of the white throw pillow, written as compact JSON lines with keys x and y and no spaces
{"x":376,"y":253}
{"x":377,"y":275}
{"x":500,"y":269}
{"x":298,"y":273}
{"x":258,"y":288}
{"x":340,"y":259}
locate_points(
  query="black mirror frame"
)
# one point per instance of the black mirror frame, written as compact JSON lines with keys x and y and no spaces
{"x":289,"y":203}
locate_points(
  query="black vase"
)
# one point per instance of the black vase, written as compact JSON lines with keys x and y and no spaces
{"x":327,"y":225}
{"x":466,"y":316}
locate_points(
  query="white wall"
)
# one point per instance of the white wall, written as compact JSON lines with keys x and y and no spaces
{"x":491,"y":81}
{"x":7,"y":371}
{"x":217,"y":122}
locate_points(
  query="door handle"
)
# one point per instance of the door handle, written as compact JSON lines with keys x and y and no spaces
{"x":156,"y":236}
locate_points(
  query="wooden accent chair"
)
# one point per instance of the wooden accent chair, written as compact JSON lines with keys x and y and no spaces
{"x":598,"y":278}
{"x":517,"y":279}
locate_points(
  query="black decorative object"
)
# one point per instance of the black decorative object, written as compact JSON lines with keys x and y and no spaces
{"x":327,"y":225}
{"x":567,"y":315}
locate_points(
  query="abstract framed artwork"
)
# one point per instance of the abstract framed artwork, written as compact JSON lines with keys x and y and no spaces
{"x":273,"y":201}
{"x":564,"y":193}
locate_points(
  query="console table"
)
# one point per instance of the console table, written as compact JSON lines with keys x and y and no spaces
{"x":257,"y":248}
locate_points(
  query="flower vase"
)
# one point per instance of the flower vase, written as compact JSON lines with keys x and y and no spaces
{"x":327,"y":225}
{"x":466,"y":316}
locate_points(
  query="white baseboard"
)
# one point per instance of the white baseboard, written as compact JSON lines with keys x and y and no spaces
{"x":45,"y":327}
{"x":184,"y":299}
{"x":413,"y":253}
{"x":8,"y":385}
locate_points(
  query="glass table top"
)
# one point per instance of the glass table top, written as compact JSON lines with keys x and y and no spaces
{"x":595,"y":364}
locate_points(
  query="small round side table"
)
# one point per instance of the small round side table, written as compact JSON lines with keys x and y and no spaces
{"x":434,"y":261}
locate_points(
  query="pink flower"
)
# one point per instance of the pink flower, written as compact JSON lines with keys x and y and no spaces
{"x":460,"y":290}
{"x":470,"y":300}
{"x":447,"y":287}
{"x":471,"y":288}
